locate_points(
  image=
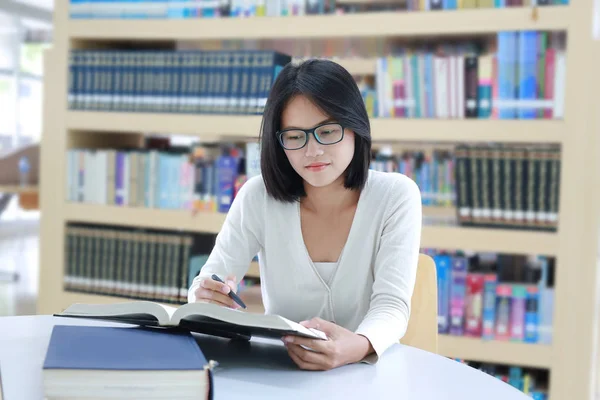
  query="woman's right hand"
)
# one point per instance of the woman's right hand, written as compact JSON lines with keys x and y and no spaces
{"x":211,"y":291}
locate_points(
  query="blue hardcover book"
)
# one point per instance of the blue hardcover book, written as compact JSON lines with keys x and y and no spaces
{"x":99,"y":358}
{"x":506,"y":74}
{"x":414,"y":61}
{"x":443,"y":265}
{"x":527,"y":73}
{"x":226,"y":173}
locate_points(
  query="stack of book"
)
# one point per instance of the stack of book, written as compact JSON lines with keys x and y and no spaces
{"x":205,"y":177}
{"x":521,"y":75}
{"x":508,"y":186}
{"x":431,"y":169}
{"x":195,"y":81}
{"x":495,"y":296}
{"x":144,"y":264}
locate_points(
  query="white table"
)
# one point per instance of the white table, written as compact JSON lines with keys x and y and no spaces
{"x":261,"y":369}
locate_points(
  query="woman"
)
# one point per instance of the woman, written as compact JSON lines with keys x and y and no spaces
{"x":337,"y":242}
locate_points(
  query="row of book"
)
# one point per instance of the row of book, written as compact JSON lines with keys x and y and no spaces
{"x":495,"y":296}
{"x":177,"y":81}
{"x":530,"y":381}
{"x":431,"y":169}
{"x":134,"y":263}
{"x":204,"y":177}
{"x":520,"y":76}
{"x":180,"y":9}
{"x":508,"y":185}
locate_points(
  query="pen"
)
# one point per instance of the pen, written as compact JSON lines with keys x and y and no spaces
{"x":234,"y":296}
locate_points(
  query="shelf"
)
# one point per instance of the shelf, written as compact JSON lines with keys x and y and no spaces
{"x":441,"y":237}
{"x":388,"y":24}
{"x":383,"y":129}
{"x":16,"y":189}
{"x":512,"y":241}
{"x":493,"y":351}
{"x":144,"y":217}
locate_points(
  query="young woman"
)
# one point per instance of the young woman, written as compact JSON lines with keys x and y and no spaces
{"x":337,"y":243}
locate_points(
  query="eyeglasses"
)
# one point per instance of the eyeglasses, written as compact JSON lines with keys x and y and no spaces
{"x":326,"y":134}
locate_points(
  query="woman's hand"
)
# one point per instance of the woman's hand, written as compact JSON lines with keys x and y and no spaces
{"x":342,"y":347}
{"x":211,"y":291}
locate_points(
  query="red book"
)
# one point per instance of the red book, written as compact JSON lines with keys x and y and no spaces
{"x":474,"y":304}
{"x":549,"y":84}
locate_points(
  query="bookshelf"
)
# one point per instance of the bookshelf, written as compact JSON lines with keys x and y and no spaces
{"x":381,"y":24}
{"x":571,"y":356}
{"x":383,"y":129}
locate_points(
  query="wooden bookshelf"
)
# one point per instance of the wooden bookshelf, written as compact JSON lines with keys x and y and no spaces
{"x":442,"y":237}
{"x":382,"y":129}
{"x":381,"y":24}
{"x":16,"y":189}
{"x":494,"y":351}
{"x":571,"y":357}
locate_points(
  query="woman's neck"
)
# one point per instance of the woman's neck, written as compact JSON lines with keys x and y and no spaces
{"x":331,"y":198}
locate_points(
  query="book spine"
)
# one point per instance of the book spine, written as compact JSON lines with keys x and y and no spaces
{"x":489,"y":306}
{"x":527,"y":74}
{"x":457,"y":295}
{"x":471,"y":86}
{"x":474,"y":302}
{"x":517,"y":314}
{"x":443,"y":266}
{"x":531,"y":314}
{"x":503,"y":307}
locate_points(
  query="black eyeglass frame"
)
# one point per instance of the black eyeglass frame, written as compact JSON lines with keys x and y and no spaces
{"x":308,"y":132}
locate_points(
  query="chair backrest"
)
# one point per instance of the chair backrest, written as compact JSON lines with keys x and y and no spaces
{"x":422,"y":331}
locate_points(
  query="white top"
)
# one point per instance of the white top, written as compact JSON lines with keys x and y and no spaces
{"x":371,"y":287}
{"x":325,"y":270}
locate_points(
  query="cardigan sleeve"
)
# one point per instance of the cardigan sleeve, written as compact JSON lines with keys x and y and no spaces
{"x":394,"y":269}
{"x":239,"y":239}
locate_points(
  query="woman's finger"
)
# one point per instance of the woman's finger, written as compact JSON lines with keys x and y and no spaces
{"x":320,"y":346}
{"x":207,"y":294}
{"x":308,"y":356}
{"x":303,"y":364}
{"x":214,"y":285}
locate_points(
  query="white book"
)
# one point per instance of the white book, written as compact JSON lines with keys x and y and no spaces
{"x":197,"y":317}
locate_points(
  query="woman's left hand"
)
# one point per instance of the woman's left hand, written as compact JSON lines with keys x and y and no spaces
{"x":342,"y":347}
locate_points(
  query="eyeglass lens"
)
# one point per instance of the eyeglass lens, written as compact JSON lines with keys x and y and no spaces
{"x":326,"y":134}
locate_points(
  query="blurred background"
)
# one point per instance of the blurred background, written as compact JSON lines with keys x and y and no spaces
{"x":127,"y":128}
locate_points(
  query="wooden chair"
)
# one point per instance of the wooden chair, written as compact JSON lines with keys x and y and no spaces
{"x":422,"y":329}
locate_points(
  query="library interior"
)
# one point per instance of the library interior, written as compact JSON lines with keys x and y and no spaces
{"x":135,"y":134}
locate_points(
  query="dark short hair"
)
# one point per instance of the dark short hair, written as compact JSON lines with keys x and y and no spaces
{"x":333,"y":90}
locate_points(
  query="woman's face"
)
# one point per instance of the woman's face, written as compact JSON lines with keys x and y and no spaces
{"x":319,"y":165}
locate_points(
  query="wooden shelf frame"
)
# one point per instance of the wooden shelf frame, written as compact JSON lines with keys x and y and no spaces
{"x":494,"y":351}
{"x":442,"y":237}
{"x":571,"y":357}
{"x":382,"y":129}
{"x":380,"y":24}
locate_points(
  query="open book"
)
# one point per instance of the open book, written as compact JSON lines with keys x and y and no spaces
{"x":197,"y":317}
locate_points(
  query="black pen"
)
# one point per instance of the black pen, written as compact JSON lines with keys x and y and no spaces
{"x":234,"y":296}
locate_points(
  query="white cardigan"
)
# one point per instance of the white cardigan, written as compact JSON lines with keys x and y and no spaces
{"x":371,"y":288}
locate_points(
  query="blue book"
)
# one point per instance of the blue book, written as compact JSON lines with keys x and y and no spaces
{"x":527,"y":73}
{"x":507,"y":74}
{"x":101,"y":357}
{"x":443,"y":265}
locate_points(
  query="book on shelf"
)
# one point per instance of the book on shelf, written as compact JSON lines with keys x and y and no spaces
{"x":494,"y":296}
{"x":166,"y":9}
{"x":199,"y":317}
{"x":159,"y":364}
{"x":517,"y":75}
{"x":509,"y":186}
{"x":531,"y":381}
{"x":173,"y":81}
{"x":134,"y":263}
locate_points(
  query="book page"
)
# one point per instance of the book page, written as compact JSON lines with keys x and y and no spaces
{"x":133,"y":309}
{"x":239,"y":317}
